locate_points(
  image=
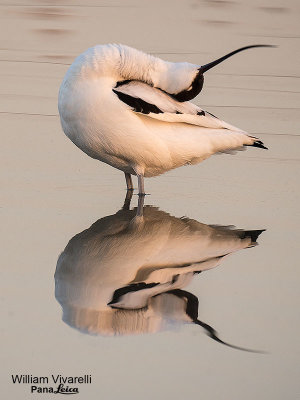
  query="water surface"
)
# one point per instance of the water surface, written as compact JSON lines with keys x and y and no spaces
{"x":52,"y":192}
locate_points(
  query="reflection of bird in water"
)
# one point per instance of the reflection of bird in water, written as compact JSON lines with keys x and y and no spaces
{"x":132,"y":111}
{"x":125,"y":275}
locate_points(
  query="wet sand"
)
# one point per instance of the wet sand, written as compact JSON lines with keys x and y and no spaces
{"x":52,"y":191}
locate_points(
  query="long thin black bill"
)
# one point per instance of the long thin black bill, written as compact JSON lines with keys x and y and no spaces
{"x":212,"y":64}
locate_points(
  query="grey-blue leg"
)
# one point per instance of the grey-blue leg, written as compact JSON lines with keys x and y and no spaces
{"x":141,"y":185}
{"x":128,"y":181}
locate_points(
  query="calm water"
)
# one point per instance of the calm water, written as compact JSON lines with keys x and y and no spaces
{"x":154,"y":340}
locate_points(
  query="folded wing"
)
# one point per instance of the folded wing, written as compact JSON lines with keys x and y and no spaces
{"x":155,"y":103}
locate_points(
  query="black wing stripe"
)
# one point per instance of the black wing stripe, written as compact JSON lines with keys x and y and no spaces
{"x":133,"y":287}
{"x":138,"y":104}
{"x":121,"y":83}
{"x":259,"y":143}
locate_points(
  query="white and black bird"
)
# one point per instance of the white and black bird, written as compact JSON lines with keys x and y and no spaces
{"x":132,"y":111}
{"x":108,"y":286}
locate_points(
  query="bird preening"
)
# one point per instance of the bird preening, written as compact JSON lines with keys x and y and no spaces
{"x":132,"y":111}
{"x":116,"y":278}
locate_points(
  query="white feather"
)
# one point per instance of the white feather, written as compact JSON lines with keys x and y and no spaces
{"x":173,"y":111}
{"x":106,"y":128}
{"x":102,"y":259}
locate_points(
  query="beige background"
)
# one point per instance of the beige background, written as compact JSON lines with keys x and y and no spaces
{"x":51,"y":191}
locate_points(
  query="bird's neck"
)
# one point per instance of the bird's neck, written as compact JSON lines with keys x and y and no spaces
{"x":123,"y":62}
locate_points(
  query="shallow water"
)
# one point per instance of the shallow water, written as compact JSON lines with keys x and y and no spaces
{"x":52,"y":192}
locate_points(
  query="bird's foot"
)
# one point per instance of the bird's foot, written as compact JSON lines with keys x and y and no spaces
{"x":143,"y":194}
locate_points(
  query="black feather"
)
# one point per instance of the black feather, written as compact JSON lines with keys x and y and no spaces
{"x":259,"y":143}
{"x":138,"y":104}
{"x":121,"y":83}
{"x":133,"y":287}
{"x":253,"y":234}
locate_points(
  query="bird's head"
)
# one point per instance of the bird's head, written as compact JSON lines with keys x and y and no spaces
{"x":197,"y":84}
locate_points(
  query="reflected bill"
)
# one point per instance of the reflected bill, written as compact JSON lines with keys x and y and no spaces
{"x":125,"y":274}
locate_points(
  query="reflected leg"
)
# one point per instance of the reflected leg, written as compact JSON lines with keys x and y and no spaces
{"x":126,"y":205}
{"x":139,"y":212}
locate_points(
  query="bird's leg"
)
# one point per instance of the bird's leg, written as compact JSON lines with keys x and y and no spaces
{"x":128,"y":181}
{"x":141,"y":185}
{"x":126,"y":205}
